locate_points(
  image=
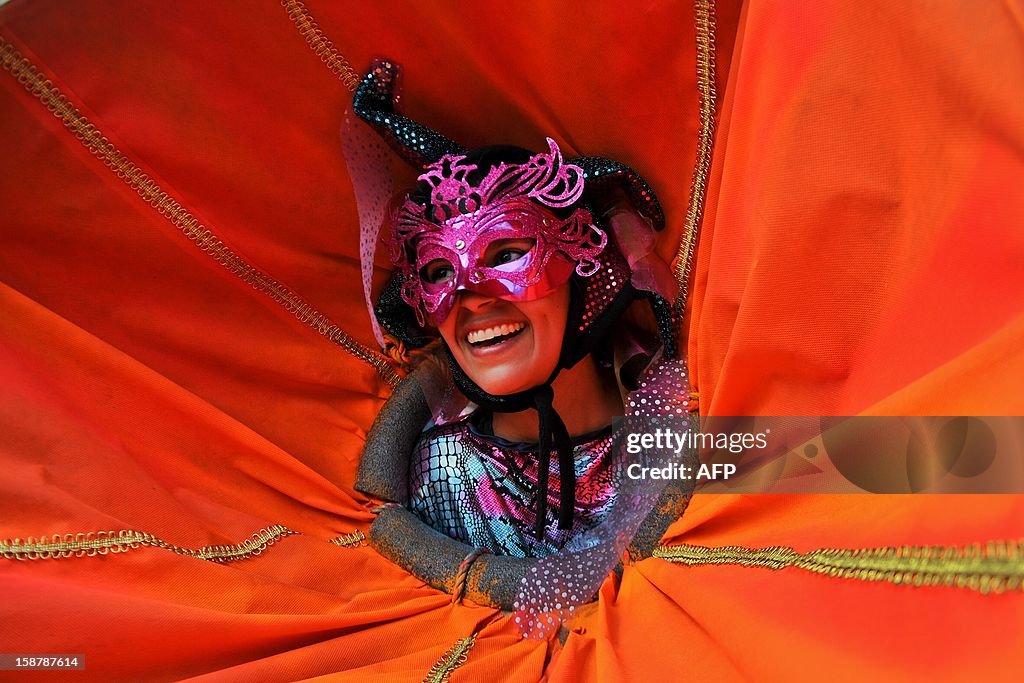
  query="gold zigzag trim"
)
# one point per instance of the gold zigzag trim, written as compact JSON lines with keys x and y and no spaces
{"x":322,"y":46}
{"x":58,"y":104}
{"x":683,"y":262}
{"x":451,"y":660}
{"x":994,"y":567}
{"x":103,"y":542}
{"x":357,"y":537}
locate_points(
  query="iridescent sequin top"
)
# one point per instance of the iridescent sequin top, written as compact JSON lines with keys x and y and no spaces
{"x":482,"y":490}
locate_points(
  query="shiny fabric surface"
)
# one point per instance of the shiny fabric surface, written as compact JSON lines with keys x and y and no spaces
{"x":860,"y":251}
{"x":482,"y":490}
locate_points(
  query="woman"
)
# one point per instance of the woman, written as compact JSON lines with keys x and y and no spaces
{"x":522,"y":263}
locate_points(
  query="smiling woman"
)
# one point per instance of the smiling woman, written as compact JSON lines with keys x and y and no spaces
{"x":522,"y":262}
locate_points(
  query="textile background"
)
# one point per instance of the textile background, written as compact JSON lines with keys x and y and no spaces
{"x":861,"y":252}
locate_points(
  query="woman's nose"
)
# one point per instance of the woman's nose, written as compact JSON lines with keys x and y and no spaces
{"x":474,"y":302}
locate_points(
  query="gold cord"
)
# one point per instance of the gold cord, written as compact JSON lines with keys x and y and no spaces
{"x":994,"y":567}
{"x":321,"y":45}
{"x":683,"y":263}
{"x":451,"y":660}
{"x":104,"y":542}
{"x":58,"y":104}
{"x":355,"y":538}
{"x":462,"y":574}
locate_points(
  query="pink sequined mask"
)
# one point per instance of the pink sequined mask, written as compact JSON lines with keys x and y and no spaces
{"x":458,"y":246}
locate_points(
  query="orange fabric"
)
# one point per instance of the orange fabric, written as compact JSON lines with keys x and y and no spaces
{"x":861,"y":232}
{"x":860,"y":252}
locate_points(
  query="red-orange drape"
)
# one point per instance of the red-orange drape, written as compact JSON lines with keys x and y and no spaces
{"x":860,"y":252}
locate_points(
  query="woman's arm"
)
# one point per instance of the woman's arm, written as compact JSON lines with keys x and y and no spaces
{"x":384,"y":467}
{"x":435,"y":559}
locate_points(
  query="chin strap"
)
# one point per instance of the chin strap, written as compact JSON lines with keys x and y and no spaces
{"x":551,"y":426}
{"x":550,"y":429}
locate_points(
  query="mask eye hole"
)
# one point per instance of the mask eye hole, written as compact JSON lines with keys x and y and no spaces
{"x":507,"y":252}
{"x":437,"y":272}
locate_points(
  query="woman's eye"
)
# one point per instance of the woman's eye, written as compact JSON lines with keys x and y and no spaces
{"x":437,"y":272}
{"x":508,"y":256}
{"x":503,"y":252}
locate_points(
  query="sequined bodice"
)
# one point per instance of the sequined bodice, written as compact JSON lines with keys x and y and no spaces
{"x":482,"y":490}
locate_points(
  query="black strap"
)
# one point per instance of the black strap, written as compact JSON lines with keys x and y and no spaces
{"x":566,"y":472}
{"x":551,"y":426}
{"x":542,"y":401}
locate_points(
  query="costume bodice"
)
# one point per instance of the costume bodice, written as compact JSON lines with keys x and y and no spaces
{"x":482,"y":490}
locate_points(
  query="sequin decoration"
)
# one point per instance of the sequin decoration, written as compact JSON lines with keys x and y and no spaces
{"x":605,"y":175}
{"x":602,"y":288}
{"x":560,"y":582}
{"x":482,"y":490}
{"x":665,"y":393}
{"x":369,"y":169}
{"x":374,"y":102}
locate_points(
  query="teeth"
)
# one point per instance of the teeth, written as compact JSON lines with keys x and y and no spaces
{"x":478,"y":336}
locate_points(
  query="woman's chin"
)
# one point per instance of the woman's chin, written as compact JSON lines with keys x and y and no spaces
{"x":501,"y":385}
{"x":510,"y":379}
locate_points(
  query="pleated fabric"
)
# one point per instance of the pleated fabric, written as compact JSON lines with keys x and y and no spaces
{"x":860,"y":252}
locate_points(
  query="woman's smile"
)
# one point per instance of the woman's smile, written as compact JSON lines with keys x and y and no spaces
{"x":490,"y":337}
{"x":504,"y":346}
{"x":494,"y":334}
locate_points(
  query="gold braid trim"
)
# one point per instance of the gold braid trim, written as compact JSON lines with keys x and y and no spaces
{"x":103,"y":542}
{"x":994,"y":567}
{"x":58,"y":104}
{"x":683,"y":262}
{"x":321,"y":45}
{"x":357,"y":537}
{"x":451,"y":660}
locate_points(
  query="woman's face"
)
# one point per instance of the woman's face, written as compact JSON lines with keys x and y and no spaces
{"x":504,"y":346}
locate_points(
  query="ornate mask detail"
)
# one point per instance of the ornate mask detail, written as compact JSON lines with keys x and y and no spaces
{"x":458,"y":246}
